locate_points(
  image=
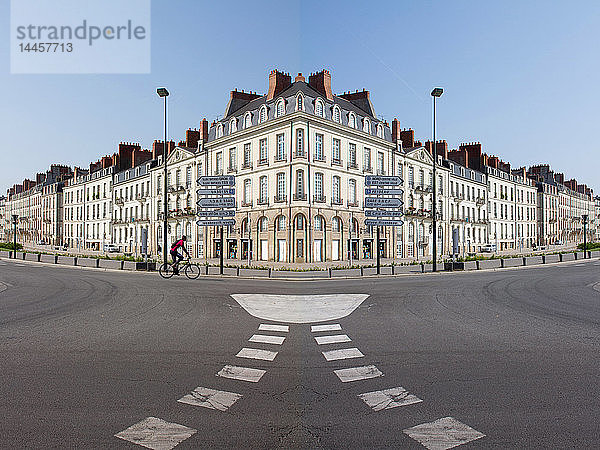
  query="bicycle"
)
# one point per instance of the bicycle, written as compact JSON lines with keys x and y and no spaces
{"x":191,"y":270}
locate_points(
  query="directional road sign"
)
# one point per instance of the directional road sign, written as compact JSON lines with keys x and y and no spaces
{"x":216,"y":191}
{"x":216,"y":223}
{"x":380,"y":180}
{"x":372,"y":202}
{"x":217,"y":202}
{"x":220,"y":180}
{"x":383,"y":191}
{"x":217,"y":213}
{"x":383,"y":213}
{"x":383,"y":223}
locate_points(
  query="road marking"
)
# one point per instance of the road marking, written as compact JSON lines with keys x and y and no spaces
{"x":358,"y":373}
{"x":443,"y":433}
{"x":3,"y":286}
{"x":335,"y":339}
{"x":210,"y":398}
{"x":156,"y":434}
{"x":389,"y":398}
{"x":241,"y":373}
{"x":19,"y":265}
{"x":271,"y":327}
{"x":264,"y":339}
{"x":299,"y":308}
{"x":596,"y":287}
{"x":331,"y":327}
{"x":345,"y":353}
{"x":255,"y":353}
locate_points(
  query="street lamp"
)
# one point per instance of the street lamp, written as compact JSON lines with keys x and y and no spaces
{"x":163,"y":93}
{"x":437,"y":92}
{"x":15,"y":217}
{"x":584,"y":218}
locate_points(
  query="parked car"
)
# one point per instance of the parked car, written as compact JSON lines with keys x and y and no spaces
{"x":111,"y":248}
{"x":489,"y":248}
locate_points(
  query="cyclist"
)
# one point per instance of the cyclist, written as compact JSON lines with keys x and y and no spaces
{"x":176,"y":255}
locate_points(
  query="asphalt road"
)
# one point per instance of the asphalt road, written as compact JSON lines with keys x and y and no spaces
{"x":513,"y":354}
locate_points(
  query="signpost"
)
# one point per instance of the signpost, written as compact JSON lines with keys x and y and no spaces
{"x":219,"y":202}
{"x":381,"y":207}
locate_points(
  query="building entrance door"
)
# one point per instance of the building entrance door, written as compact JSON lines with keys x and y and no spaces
{"x":264,"y":249}
{"x":281,"y":244}
{"x":335,"y":250}
{"x":317,"y":250}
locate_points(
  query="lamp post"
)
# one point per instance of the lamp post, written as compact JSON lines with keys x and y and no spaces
{"x":15,"y":217}
{"x":584,"y":218}
{"x":163,"y":93}
{"x":437,"y":92}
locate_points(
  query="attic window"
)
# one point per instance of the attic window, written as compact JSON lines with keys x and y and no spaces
{"x":336,"y":114}
{"x":379,"y":130}
{"x":300,"y":103}
{"x":352,"y":120}
{"x":319,"y":108}
{"x":247,"y":120}
{"x":219,"y":130}
{"x":367,"y":126}
{"x":232,"y":126}
{"x":263,"y":114}
{"x":280,"y":109}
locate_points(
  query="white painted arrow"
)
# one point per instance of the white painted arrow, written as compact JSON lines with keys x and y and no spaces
{"x":299,"y":308}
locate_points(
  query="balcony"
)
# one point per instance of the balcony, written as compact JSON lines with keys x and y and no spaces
{"x":352,"y":165}
{"x":263,"y":162}
{"x":280,"y":198}
{"x":413,"y":212}
{"x":480,"y":201}
{"x":300,"y":196}
{"x":218,"y":172}
{"x":246,"y":203}
{"x":380,"y":172}
{"x":262,"y":201}
{"x":319,"y":198}
{"x":232,"y":169}
{"x":458,"y":198}
{"x":118,"y":201}
{"x":247,"y":165}
{"x":336,"y":162}
{"x":300,"y":154}
{"x":280,"y":158}
{"x":319,"y":158}
{"x":368,"y":169}
{"x":353,"y":204}
{"x":423,"y":189}
{"x":337,"y":201}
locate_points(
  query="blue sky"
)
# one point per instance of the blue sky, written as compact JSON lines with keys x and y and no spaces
{"x":518,"y":76}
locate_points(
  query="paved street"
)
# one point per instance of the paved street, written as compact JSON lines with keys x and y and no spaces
{"x":491,"y":359}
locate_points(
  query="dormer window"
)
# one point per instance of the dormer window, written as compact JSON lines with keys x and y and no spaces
{"x":247,"y":120}
{"x":319,"y":108}
{"x":367,"y":126}
{"x":219,"y":130}
{"x":280,"y":108}
{"x":380,"y":130}
{"x":300,"y":102}
{"x":232,"y":126}
{"x":263,"y":114}
{"x":337,"y":116}
{"x":352,"y":120}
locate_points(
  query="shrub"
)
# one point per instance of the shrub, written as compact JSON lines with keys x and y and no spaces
{"x":9,"y":246}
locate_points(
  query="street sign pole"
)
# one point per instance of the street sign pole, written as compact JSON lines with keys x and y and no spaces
{"x":222,"y":250}
{"x":378,"y":254}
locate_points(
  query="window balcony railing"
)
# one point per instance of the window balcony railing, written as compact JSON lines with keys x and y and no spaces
{"x":218,"y":172}
{"x":263,"y":162}
{"x":480,"y":201}
{"x":352,"y":165}
{"x":353,"y":204}
{"x":280,"y":198}
{"x":368,"y":169}
{"x":319,"y":198}
{"x":280,"y":158}
{"x":337,"y":201}
{"x":118,"y":201}
{"x":336,"y":162}
{"x":232,"y":169}
{"x":423,"y":188}
{"x":262,"y":201}
{"x":301,"y":154}
{"x":380,"y":172}
{"x":319,"y":158}
{"x":300,"y":196}
{"x":247,"y":165}
{"x":246,"y":203}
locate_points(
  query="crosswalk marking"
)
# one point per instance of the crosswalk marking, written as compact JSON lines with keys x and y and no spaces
{"x":156,"y":434}
{"x":345,"y":353}
{"x":358,"y":373}
{"x":210,"y":398}
{"x":264,"y":339}
{"x":335,"y":339}
{"x":256,"y":353}
{"x":389,"y":398}
{"x":241,"y":373}
{"x":443,"y":433}
{"x":330,"y":327}
{"x":271,"y":327}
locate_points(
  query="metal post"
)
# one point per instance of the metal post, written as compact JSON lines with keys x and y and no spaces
{"x":433,"y":209}
{"x":166,"y":198}
{"x":15,"y":217}
{"x":222,"y":251}
{"x":350,"y":233}
{"x":378,"y":256}
{"x":249,"y":238}
{"x":584,"y":236}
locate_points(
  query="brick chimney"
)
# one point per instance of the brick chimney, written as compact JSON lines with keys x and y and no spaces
{"x":459,"y":156}
{"x":125,"y":154}
{"x":493,"y":161}
{"x":140,"y":156}
{"x":321,"y":82}
{"x":191,"y":138}
{"x":203,"y":130}
{"x":40,"y":178}
{"x":299,"y":77}
{"x":106,"y":162}
{"x":396,"y":132}
{"x":244,"y":96}
{"x":278,"y":82}
{"x":559,"y":178}
{"x":571,"y":184}
{"x":408,"y":138}
{"x":473,"y":150}
{"x":441,"y":148}
{"x":158,"y":148}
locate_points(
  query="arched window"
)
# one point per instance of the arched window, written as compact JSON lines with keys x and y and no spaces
{"x":219,"y":130}
{"x":233,"y":126}
{"x":319,"y":223}
{"x":351,"y":120}
{"x":280,"y":108}
{"x":248,"y":120}
{"x":263,"y":224}
{"x":280,"y":223}
{"x":336,"y":224}
{"x":244,"y":227}
{"x":319,"y":108}
{"x":337,"y":116}
{"x":300,"y":102}
{"x":263,"y":114}
{"x":380,"y":130}
{"x":367,"y":126}
{"x":355,"y":226}
{"x":299,"y":222}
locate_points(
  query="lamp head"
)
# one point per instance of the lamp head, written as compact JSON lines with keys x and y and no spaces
{"x":162,"y":92}
{"x":437,"y":92}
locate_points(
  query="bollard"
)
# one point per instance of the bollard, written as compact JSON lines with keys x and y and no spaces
{"x":502,"y":262}
{"x":543,"y":259}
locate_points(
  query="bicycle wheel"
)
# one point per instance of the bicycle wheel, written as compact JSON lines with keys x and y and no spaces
{"x":166,"y":270}
{"x":192,"y":271}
